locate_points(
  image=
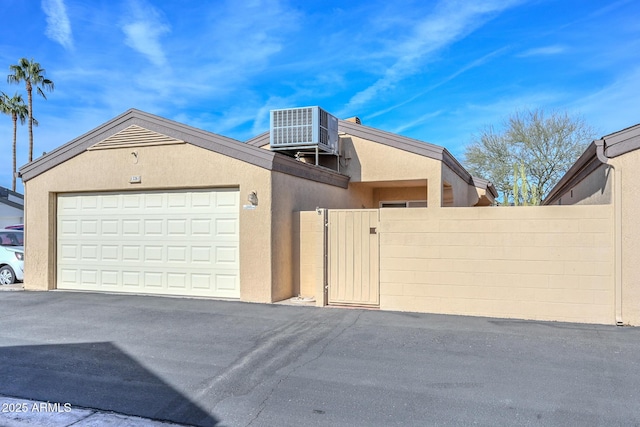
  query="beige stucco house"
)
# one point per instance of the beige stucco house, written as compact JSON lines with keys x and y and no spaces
{"x":143,"y":204}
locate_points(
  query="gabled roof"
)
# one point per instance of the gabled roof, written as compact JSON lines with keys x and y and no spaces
{"x":399,"y":142}
{"x":597,"y":153}
{"x":179,"y":132}
{"x":404,"y":143}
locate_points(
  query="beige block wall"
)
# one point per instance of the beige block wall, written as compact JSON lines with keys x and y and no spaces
{"x":543,"y":263}
{"x":161,"y":167}
{"x":311,"y":244}
{"x":627,"y":203}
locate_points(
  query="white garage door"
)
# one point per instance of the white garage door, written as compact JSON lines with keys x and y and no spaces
{"x":157,"y":242}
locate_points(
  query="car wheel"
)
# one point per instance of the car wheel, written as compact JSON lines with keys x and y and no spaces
{"x":7,"y":276}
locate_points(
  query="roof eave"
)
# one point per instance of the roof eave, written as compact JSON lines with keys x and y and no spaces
{"x":204,"y":139}
{"x":485,"y":185}
{"x":259,"y":140}
{"x":210,"y":141}
{"x":588,"y":157}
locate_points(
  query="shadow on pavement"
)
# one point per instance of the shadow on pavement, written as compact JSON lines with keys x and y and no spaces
{"x":94,"y":375}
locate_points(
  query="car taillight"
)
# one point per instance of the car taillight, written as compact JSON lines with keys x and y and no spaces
{"x":20,"y":256}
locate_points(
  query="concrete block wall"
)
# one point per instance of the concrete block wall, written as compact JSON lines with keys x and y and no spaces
{"x":311,"y":246}
{"x":543,"y":263}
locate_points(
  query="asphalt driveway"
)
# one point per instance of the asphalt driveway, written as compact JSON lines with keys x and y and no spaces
{"x":205,"y":362}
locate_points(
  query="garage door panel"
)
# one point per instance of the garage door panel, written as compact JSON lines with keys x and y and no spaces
{"x":154,"y":227}
{"x":89,"y":276}
{"x":202,"y":200}
{"x":68,"y":252}
{"x":67,"y":204}
{"x":202,"y":226}
{"x":131,"y":227}
{"x":67,"y":277}
{"x":227,"y":199}
{"x":153,"y":253}
{"x":177,"y":227}
{"x":177,"y":243}
{"x":154,"y":201}
{"x":109,"y":203}
{"x":226,"y":282}
{"x":177,"y":254}
{"x":152,"y":279}
{"x":89,"y":203}
{"x":89,"y":252}
{"x":226,"y":255}
{"x":68,"y":228}
{"x":109,"y":278}
{"x":110,"y":253}
{"x":177,"y":280}
{"x":109,"y":227}
{"x":131,"y":279}
{"x":131,"y":202}
{"x":132,"y":253}
{"x":89,"y":227}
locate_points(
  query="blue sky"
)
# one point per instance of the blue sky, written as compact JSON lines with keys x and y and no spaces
{"x":437,"y":71}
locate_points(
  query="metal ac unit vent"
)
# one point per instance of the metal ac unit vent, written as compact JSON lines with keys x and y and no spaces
{"x":305,"y":127}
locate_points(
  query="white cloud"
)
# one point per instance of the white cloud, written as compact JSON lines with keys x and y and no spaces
{"x":58,"y":25}
{"x":418,"y":121}
{"x":143,"y":32}
{"x":243,"y":36}
{"x":543,"y":51}
{"x":613,"y":107}
{"x":476,"y":63}
{"x":450,"y":22}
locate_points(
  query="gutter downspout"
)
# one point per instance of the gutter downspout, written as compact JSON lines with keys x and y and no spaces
{"x":617,"y":227}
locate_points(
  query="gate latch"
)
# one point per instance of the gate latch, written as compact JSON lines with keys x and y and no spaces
{"x":372,"y":230}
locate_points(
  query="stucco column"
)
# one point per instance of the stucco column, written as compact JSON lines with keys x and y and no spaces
{"x":434,"y":192}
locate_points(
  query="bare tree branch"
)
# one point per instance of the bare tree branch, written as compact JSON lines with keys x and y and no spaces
{"x":546,"y":144}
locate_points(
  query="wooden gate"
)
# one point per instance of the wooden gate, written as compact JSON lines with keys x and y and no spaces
{"x":353,"y":258}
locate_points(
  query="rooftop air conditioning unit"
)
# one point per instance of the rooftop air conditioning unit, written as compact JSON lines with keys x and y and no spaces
{"x":301,"y":128}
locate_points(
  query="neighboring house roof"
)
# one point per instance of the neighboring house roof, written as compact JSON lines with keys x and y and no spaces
{"x":399,"y":142}
{"x":485,"y":185}
{"x":12,"y":204}
{"x":596,"y":154}
{"x":11,"y":195}
{"x":11,"y":198}
{"x":209,"y":141}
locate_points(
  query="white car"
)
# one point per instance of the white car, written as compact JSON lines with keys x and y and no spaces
{"x":11,"y":256}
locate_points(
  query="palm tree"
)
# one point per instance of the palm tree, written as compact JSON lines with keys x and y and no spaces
{"x":32,"y":75}
{"x":17,"y":109}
